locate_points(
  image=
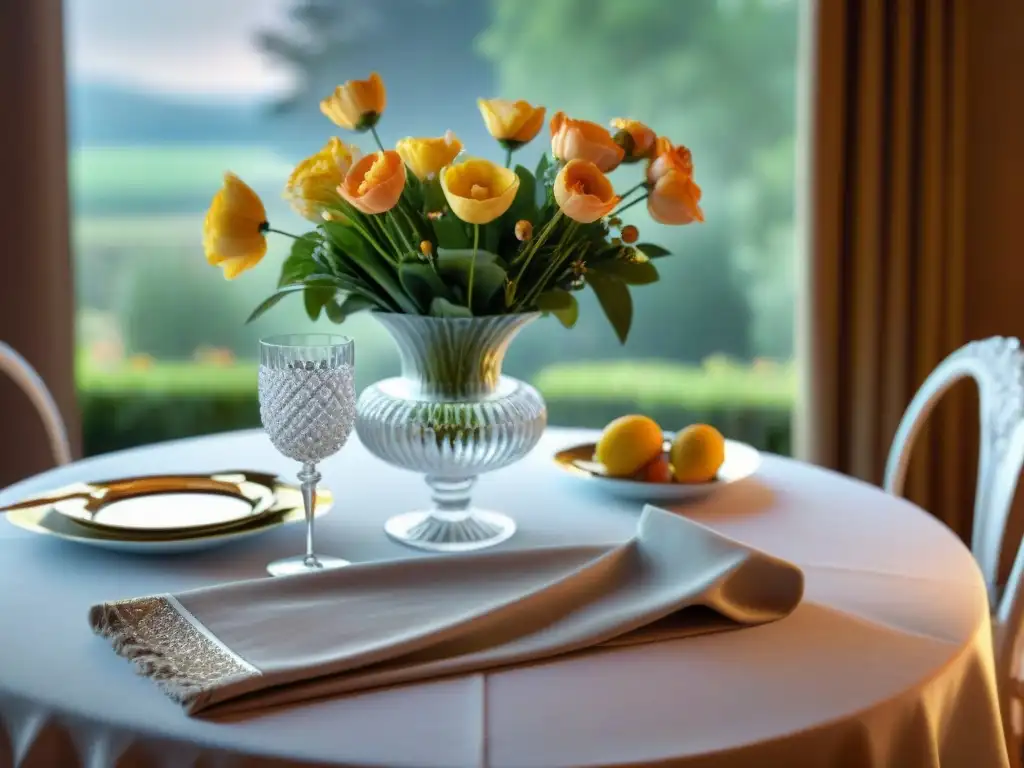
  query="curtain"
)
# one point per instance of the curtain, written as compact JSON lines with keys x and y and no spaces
{"x":36,"y":286}
{"x":886,"y":216}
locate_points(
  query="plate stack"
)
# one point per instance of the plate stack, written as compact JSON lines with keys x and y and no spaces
{"x":163,"y":514}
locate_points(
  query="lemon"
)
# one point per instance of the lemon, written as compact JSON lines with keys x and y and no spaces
{"x":697,"y":454}
{"x":627,"y":444}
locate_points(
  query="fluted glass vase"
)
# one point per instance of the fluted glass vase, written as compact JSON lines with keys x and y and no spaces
{"x":451,"y":416}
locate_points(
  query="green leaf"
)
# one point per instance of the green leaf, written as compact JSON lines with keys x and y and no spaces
{"x":652,"y":251}
{"x":490,"y":235}
{"x":541,"y":174}
{"x":488,"y":274}
{"x":422,"y":283}
{"x":441,"y":307}
{"x":561,"y":304}
{"x":613,"y":296}
{"x":270,"y":301}
{"x":433,"y":196}
{"x":370,"y":261}
{"x":400,"y":235}
{"x":450,"y":232}
{"x":345,"y":237}
{"x":315,"y":297}
{"x":541,"y":188}
{"x":347,"y":285}
{"x":413,"y":191}
{"x":451,"y":257}
{"x":488,"y":282}
{"x":524,"y":206}
{"x":301,"y":261}
{"x":630,"y":272}
{"x":326,"y":259}
{"x":337,"y":312}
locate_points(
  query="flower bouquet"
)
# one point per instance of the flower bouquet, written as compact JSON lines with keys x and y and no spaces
{"x":420,"y":230}
{"x":454,"y":256}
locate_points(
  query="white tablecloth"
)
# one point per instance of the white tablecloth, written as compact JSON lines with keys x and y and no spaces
{"x":886,"y":663}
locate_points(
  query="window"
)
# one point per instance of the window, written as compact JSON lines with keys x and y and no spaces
{"x":164,"y":97}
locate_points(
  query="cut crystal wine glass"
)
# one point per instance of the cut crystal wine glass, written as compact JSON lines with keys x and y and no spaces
{"x":307,"y":406}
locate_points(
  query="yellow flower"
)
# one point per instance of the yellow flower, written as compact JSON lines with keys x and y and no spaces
{"x":141,"y":362}
{"x":584,"y":193}
{"x":675,"y":199}
{"x":524,"y":230}
{"x":425,"y":157}
{"x":634,"y":137}
{"x":356,"y":105}
{"x":669,"y":158}
{"x":375,"y":183}
{"x":478,"y":191}
{"x":426,"y":248}
{"x":313,"y":185}
{"x":513,"y":123}
{"x":233,"y":231}
{"x":584,"y":140}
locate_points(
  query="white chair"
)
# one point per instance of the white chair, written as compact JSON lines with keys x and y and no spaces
{"x":997,"y":366}
{"x":25,"y":376}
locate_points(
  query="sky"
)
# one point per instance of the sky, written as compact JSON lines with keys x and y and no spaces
{"x":197,"y":48}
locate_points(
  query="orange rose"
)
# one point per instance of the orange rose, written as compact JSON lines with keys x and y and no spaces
{"x":375,"y":183}
{"x":669,"y":158}
{"x":584,"y":140}
{"x":584,"y":193}
{"x":634,"y":137}
{"x":675,"y":199}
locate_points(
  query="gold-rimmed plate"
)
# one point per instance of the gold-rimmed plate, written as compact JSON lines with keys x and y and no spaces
{"x":164,"y":506}
{"x":287,"y":508}
{"x":577,"y":462}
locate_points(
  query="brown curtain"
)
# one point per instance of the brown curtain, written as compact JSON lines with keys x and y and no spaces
{"x":36,"y":287}
{"x":887,"y":249}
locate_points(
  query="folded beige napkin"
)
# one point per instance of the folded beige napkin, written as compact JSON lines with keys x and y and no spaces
{"x":258,"y":643}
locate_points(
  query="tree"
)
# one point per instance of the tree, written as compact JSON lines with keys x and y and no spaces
{"x":422,"y":48}
{"x":717,"y":76}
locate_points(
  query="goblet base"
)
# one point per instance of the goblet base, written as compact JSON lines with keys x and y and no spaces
{"x":437,"y":531}
{"x":289,"y":566}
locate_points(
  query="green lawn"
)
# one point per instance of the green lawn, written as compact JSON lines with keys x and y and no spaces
{"x":135,"y":197}
{"x":172,"y":170}
{"x":642,"y":382}
{"x":179,"y":378}
{"x":653,"y":383}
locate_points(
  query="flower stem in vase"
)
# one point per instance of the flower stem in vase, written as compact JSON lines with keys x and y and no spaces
{"x":472,"y":267}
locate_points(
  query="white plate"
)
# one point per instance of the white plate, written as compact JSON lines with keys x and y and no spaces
{"x":741,"y":461}
{"x":48,"y":522}
{"x":173,"y":505}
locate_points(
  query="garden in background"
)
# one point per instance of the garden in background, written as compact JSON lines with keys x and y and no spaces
{"x":164,"y":351}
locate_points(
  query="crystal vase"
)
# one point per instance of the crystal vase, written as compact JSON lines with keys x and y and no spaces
{"x":451,"y":415}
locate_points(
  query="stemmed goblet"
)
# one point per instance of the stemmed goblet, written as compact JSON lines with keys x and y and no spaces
{"x":308,"y":408}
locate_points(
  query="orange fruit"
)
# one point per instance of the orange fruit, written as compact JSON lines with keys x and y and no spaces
{"x":697,"y":454}
{"x":627,"y":444}
{"x":657,"y":471}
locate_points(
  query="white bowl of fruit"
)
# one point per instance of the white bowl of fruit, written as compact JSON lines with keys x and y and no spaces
{"x":634,"y":458}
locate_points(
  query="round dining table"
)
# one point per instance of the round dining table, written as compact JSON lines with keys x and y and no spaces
{"x":887,"y":660}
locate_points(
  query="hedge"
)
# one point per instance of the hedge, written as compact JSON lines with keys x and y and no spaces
{"x":125,"y":407}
